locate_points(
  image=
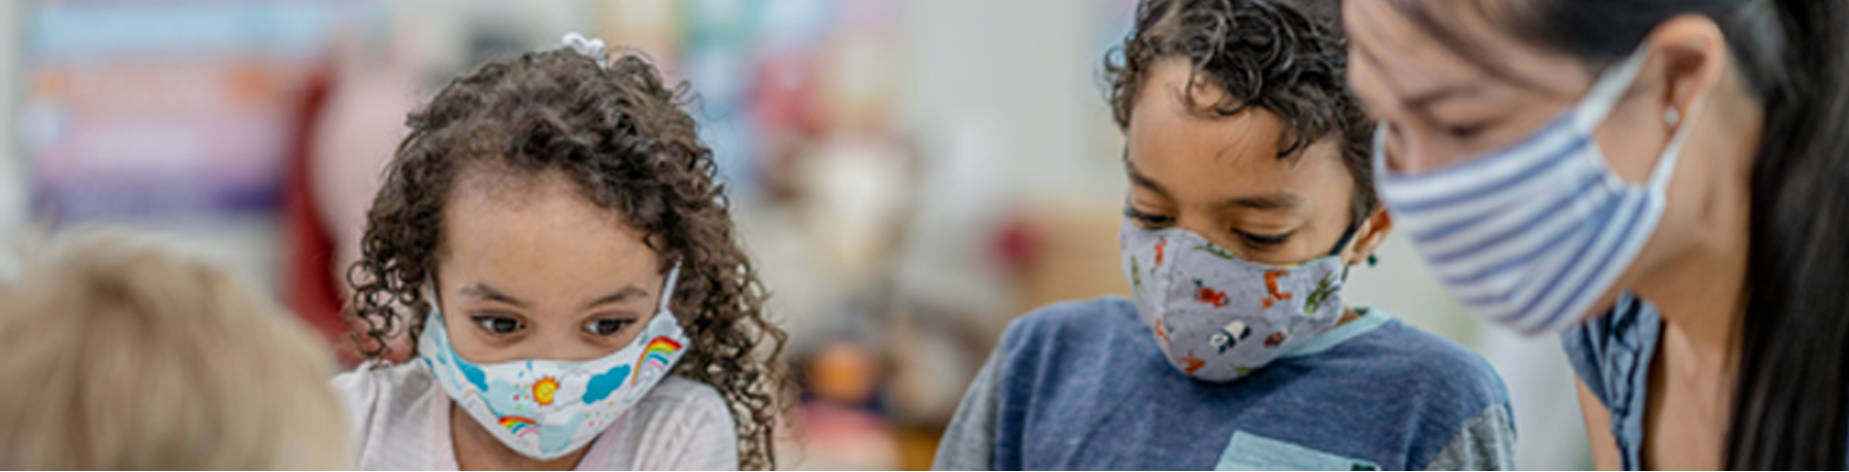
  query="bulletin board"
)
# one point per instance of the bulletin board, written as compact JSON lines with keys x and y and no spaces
{"x":160,"y":109}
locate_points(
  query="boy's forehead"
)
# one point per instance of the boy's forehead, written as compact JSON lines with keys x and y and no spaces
{"x":1191,"y":155}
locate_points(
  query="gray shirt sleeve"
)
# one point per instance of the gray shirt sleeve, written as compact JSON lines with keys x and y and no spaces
{"x":969,"y":441}
{"x":1487,"y":442}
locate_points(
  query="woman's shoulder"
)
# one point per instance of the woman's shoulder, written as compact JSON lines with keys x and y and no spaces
{"x":1609,"y":353}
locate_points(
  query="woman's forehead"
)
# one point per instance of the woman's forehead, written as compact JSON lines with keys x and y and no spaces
{"x":1416,"y":46}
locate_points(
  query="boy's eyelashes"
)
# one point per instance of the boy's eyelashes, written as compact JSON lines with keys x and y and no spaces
{"x":1149,"y":220}
{"x":1263,"y":241}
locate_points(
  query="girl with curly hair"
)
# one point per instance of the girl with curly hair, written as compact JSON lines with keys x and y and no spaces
{"x":551,"y":236}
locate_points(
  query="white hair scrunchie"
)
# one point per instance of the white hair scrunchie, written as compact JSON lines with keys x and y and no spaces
{"x":592,"y":48}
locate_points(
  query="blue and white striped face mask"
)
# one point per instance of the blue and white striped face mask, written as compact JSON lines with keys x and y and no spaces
{"x":1533,"y":234}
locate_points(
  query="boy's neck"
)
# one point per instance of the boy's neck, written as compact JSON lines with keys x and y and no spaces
{"x":477,"y":449}
{"x":1348,"y":314}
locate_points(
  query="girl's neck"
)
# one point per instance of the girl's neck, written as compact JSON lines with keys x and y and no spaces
{"x":1701,"y":289}
{"x":477,"y":449}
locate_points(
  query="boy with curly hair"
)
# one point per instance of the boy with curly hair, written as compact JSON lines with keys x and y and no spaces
{"x":1251,"y":196}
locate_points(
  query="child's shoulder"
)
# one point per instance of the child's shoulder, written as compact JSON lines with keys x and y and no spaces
{"x":1401,"y":354}
{"x":386,"y":406}
{"x":681,"y":424}
{"x":1078,"y":320}
{"x":377,"y":380}
{"x":687,"y":396}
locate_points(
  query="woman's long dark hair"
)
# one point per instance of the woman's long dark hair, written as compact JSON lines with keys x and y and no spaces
{"x":1791,"y":400}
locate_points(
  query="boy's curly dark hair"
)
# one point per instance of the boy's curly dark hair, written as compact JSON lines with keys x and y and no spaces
{"x":1287,"y":56}
{"x":622,"y":136}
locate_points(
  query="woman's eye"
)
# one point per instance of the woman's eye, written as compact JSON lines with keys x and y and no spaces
{"x":1147,"y":220}
{"x":499,"y":324}
{"x":1466,"y":132}
{"x":607,"y":326}
{"x":1462,"y":134}
{"x":1263,"y":241}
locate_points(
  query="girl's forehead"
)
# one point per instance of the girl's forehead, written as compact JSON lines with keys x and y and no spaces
{"x":544,"y":230}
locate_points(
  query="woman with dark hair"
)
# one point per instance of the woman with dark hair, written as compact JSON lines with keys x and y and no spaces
{"x":1661,"y":180}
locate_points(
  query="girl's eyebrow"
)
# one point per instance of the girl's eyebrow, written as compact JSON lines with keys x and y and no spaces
{"x":482,"y":291}
{"x":622,"y":294}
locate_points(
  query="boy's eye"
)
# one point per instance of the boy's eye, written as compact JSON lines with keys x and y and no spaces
{"x":498,"y":324}
{"x":1147,"y":220}
{"x":1262,"y":241}
{"x":607,"y":326}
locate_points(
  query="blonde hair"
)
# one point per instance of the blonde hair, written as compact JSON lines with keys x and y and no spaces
{"x":116,"y":353}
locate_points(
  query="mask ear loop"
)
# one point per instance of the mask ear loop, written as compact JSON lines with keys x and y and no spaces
{"x":430,"y":292}
{"x":1348,"y":236}
{"x":667,"y":288}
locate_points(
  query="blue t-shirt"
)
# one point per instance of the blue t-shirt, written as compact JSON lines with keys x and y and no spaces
{"x":1082,"y":385}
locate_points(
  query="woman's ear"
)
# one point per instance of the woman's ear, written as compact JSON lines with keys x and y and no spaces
{"x":1368,"y":237}
{"x":1691,"y":55}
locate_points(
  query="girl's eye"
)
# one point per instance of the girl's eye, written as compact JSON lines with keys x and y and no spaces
{"x":607,"y":326}
{"x":1147,"y":220}
{"x":1263,"y":241}
{"x":499,"y":324}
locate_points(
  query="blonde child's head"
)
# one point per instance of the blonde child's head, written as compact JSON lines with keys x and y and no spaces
{"x":116,"y":353}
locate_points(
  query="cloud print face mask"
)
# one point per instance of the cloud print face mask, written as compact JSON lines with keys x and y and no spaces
{"x":1219,"y":317}
{"x":547,"y":409}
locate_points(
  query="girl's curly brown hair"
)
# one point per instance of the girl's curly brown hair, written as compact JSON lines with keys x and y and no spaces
{"x":621,"y":135}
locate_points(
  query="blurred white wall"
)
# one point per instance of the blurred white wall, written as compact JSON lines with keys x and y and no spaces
{"x":1025,"y":67}
{"x":1002,"y":99}
{"x":12,"y":166}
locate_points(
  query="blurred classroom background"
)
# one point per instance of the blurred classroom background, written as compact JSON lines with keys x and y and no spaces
{"x":909,"y":175}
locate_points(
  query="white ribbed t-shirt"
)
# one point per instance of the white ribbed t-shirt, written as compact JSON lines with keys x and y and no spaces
{"x":400,"y":419}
